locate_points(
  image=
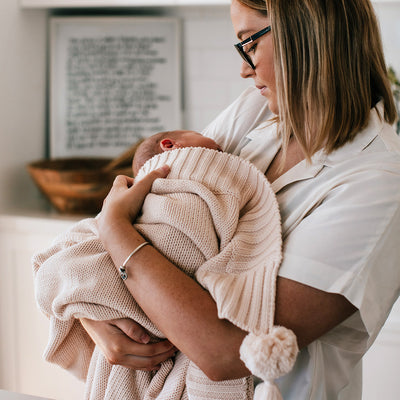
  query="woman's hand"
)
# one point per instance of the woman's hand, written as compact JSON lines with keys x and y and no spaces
{"x":124,"y":342}
{"x":124,"y":201}
{"x":126,"y":197}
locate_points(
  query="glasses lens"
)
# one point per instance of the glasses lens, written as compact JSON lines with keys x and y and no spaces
{"x":244,"y":55}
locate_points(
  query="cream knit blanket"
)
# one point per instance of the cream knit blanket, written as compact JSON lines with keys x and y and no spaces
{"x":216,"y":217}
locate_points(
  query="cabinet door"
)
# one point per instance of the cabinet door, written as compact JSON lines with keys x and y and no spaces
{"x":23,"y":329}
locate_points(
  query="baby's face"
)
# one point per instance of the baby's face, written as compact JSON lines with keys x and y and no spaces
{"x":195,"y":139}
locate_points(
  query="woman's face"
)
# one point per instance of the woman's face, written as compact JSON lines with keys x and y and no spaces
{"x":247,"y":22}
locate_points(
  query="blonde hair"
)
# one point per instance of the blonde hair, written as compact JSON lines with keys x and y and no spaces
{"x":258,"y":5}
{"x":329,"y":69}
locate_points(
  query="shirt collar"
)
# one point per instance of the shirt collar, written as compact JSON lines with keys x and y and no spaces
{"x":362,"y":139}
{"x":305,"y":170}
{"x":261,"y":145}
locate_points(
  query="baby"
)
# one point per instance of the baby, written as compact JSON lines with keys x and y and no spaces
{"x":169,"y":140}
{"x":216,"y":218}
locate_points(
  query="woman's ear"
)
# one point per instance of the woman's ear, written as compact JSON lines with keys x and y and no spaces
{"x":168,"y":144}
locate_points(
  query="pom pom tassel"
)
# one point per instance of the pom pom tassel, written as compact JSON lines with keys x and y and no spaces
{"x":267,"y":391}
{"x":269,"y":356}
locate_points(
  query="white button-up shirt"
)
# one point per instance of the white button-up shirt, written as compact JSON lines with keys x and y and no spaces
{"x":341,"y":231}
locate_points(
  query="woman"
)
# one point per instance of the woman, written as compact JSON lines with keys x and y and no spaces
{"x":335,"y":168}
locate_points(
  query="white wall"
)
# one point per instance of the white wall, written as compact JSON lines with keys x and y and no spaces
{"x":389,"y":17}
{"x":22,"y":99}
{"x":211,"y":64}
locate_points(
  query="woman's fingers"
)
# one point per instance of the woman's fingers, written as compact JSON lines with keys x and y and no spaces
{"x":126,"y":197}
{"x":149,"y":363}
{"x":138,"y":192}
{"x":123,"y":181}
{"x":128,"y":353}
{"x":133,"y":330}
{"x":143,"y":186}
{"x":121,"y":349}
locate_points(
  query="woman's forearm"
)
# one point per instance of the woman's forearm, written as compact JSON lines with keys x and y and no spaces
{"x":178,"y":306}
{"x":183,"y":310}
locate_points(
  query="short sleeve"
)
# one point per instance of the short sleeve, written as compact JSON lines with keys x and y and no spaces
{"x":247,"y":112}
{"x":350,"y":244}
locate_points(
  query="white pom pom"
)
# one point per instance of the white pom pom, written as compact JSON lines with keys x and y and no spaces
{"x":272,"y":355}
{"x":267,"y":391}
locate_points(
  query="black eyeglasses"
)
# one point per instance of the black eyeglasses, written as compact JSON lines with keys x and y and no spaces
{"x":252,"y":38}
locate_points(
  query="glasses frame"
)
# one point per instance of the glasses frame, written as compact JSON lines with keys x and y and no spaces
{"x":251,"y":39}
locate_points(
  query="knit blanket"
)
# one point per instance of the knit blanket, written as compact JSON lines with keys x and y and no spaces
{"x":216,"y":217}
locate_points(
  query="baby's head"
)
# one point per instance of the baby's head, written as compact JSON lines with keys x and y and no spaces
{"x":169,"y":140}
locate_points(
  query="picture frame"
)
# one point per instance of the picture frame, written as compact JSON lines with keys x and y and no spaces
{"x":113,"y":81}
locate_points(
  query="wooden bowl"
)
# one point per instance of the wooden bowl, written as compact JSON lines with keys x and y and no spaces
{"x":75,"y":185}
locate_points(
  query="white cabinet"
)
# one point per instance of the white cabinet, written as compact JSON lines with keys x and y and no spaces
{"x":24,"y":330}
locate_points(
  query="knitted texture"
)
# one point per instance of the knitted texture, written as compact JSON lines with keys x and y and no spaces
{"x":216,"y":217}
{"x":245,"y":253}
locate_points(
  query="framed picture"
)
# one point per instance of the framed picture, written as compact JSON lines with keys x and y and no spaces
{"x":113,"y":81}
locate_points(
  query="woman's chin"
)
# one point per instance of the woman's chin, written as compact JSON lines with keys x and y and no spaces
{"x":272,"y":104}
{"x":273,"y":107}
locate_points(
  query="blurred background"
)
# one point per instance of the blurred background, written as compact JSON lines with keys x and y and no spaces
{"x":210,"y":81}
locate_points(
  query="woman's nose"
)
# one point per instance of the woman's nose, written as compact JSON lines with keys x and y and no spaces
{"x":246,"y":71}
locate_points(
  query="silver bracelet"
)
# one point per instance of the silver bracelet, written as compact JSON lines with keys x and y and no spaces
{"x":122,"y":270}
